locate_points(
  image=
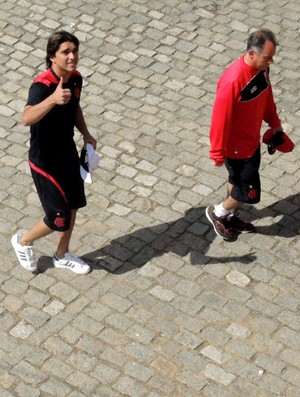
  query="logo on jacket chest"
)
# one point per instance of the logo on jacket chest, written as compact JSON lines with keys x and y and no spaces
{"x":255,"y":87}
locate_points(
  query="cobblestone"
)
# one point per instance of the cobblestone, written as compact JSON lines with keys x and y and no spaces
{"x":169,"y":308}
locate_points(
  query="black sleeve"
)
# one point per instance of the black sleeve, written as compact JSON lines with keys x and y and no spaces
{"x":37,"y":93}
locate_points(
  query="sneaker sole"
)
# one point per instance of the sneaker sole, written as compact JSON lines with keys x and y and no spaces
{"x":216,"y":231}
{"x":244,"y":231}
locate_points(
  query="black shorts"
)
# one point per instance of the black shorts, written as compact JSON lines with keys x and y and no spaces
{"x":244,"y":176}
{"x":58,"y":196}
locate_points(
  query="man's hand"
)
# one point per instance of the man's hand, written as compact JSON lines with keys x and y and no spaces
{"x":88,"y":138}
{"x":33,"y":114}
{"x":61,"y":95}
{"x":218,"y":163}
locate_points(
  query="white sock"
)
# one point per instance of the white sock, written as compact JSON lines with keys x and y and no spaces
{"x":220,"y":210}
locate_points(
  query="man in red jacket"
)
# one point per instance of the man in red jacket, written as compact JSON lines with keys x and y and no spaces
{"x":244,"y":99}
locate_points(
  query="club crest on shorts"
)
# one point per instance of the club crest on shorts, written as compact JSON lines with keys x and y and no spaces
{"x":59,"y":221}
{"x":252,"y":193}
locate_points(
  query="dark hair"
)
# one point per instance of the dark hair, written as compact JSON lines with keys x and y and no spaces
{"x":54,"y":42}
{"x":256,"y":40}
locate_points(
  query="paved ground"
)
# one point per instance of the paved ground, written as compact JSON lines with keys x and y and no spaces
{"x":169,"y":309}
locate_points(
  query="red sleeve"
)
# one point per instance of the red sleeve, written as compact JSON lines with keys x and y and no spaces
{"x":221,"y":121}
{"x":271,"y":116}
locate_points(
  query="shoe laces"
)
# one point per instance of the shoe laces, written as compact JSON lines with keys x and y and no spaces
{"x":74,"y":258}
{"x":28,"y":251}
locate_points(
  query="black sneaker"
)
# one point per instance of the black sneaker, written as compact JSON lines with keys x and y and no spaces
{"x":220,"y":224}
{"x":240,"y":226}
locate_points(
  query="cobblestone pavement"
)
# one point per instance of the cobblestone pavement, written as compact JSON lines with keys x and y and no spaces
{"x":169,"y":308}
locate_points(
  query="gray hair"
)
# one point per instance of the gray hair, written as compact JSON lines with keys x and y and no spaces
{"x":257,"y":39}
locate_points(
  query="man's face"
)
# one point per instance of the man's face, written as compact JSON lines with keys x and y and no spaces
{"x":262,"y":60}
{"x":65,"y":58}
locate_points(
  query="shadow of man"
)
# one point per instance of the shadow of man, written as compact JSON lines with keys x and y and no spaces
{"x":190,"y":235}
{"x":288,"y":212}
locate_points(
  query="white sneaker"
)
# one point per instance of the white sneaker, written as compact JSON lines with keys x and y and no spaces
{"x":24,"y":253}
{"x":70,"y":261}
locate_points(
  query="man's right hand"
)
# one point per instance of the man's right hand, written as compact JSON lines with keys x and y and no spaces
{"x":218,"y":163}
{"x":61,"y":95}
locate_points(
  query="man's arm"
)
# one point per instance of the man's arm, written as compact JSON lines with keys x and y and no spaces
{"x":271,"y":116}
{"x":221,"y":122}
{"x":33,"y":114}
{"x":81,"y":126}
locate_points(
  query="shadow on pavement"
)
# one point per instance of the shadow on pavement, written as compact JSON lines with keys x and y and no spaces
{"x":288,"y":211}
{"x":190,"y":235}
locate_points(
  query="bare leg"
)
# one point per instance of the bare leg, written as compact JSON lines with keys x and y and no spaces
{"x":65,"y":237}
{"x":41,"y":230}
{"x":230,"y":204}
{"x":38,"y":231}
{"x":63,"y":259}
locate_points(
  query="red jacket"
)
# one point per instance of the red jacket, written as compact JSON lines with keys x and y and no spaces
{"x":244,"y":99}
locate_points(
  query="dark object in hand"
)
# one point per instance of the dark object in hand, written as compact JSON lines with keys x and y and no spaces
{"x":276,"y":140}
